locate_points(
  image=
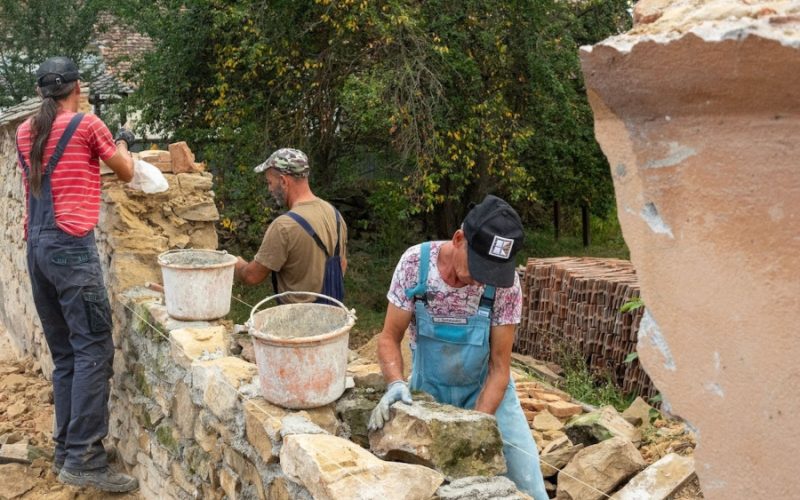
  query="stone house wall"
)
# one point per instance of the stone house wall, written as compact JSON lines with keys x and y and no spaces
{"x":16,"y":303}
{"x":185,"y":416}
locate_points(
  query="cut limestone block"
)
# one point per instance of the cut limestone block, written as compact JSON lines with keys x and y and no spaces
{"x":219,"y":380}
{"x":189,"y":344}
{"x":604,"y":466}
{"x":600,"y":425}
{"x":331,"y":468}
{"x":660,"y":480}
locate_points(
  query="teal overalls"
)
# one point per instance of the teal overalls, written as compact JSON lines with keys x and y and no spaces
{"x":451,"y":363}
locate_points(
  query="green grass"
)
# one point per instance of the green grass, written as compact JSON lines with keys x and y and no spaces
{"x":251,"y":295}
{"x":605,"y":241}
{"x":597,"y":389}
{"x":366,"y":283}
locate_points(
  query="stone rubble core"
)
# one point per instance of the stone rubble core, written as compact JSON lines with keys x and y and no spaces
{"x":436,"y":436}
{"x":698,"y":112}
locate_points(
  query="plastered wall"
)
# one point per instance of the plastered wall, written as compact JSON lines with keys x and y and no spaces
{"x":698,"y":111}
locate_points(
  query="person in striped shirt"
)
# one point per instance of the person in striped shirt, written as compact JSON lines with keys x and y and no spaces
{"x":59,"y":151}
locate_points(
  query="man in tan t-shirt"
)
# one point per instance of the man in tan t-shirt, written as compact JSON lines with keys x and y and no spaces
{"x":288,"y":250}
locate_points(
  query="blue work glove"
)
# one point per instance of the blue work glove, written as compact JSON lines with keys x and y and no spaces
{"x":397,"y":391}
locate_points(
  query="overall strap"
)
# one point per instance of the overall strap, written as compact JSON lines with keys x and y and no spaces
{"x":62,"y":143}
{"x":310,"y":230}
{"x":487,"y":301}
{"x":338,"y":233}
{"x":274,"y":277}
{"x":422,"y":283}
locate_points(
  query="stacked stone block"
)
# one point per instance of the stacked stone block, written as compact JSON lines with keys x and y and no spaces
{"x":178,"y":417}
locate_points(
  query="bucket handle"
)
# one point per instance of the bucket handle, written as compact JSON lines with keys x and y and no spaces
{"x":283,"y":294}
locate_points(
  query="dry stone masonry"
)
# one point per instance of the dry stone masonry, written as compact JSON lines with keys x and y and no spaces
{"x":188,"y":421}
{"x":133,"y":229}
{"x":698,"y":111}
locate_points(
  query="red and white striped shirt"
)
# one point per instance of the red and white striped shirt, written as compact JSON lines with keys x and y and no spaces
{"x":75,"y":181}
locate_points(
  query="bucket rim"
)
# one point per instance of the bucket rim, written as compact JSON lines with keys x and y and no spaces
{"x":163,"y":262}
{"x":323,"y":338}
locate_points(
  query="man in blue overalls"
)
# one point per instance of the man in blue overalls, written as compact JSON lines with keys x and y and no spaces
{"x":460,"y":300}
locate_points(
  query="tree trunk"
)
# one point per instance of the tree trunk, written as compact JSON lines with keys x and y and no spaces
{"x":557,"y":218}
{"x":585,"y":224}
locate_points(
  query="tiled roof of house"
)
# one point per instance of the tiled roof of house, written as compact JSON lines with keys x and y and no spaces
{"x":119,"y":46}
{"x":19,"y":111}
{"x":107,"y":84}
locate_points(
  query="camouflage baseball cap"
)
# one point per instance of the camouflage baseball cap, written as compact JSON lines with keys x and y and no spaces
{"x":286,"y":161}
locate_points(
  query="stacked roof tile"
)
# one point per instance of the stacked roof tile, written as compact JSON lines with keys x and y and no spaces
{"x":574,"y":304}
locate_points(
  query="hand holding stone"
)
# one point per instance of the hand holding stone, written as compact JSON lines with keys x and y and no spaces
{"x":397,"y":391}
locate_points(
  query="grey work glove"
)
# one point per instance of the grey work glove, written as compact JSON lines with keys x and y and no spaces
{"x":126,"y":135}
{"x":397,"y":391}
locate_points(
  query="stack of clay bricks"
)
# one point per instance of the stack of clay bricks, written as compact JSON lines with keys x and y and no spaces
{"x":573,"y":305}
{"x":178,"y":160}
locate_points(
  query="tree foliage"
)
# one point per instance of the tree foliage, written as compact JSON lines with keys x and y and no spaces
{"x":416,"y":107}
{"x":33,"y":30}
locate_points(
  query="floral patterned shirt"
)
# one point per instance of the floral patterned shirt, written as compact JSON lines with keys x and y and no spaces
{"x":444,"y":300}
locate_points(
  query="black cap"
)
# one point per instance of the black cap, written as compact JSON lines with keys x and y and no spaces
{"x":57,"y":71}
{"x":494,"y":236}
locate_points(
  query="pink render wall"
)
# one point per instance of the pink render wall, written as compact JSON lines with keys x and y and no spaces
{"x":698,"y":111}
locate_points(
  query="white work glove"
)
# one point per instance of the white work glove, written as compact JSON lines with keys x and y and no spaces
{"x":397,"y":391}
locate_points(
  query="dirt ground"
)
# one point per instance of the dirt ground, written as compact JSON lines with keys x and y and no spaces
{"x":26,"y":416}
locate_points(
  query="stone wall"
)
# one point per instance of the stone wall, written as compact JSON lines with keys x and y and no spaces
{"x":698,"y":111}
{"x":16,"y":303}
{"x":188,"y":422}
{"x":177,"y":421}
{"x":186,"y":418}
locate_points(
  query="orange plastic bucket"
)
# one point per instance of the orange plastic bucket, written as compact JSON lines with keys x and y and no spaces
{"x":301,"y":351}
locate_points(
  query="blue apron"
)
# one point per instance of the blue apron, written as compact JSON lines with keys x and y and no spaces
{"x":451,"y":363}
{"x":72,"y":304}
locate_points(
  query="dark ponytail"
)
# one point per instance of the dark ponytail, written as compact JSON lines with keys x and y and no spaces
{"x":41,"y":123}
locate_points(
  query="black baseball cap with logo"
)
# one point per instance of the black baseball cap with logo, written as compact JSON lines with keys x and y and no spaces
{"x":57,"y":71}
{"x":494,"y":236}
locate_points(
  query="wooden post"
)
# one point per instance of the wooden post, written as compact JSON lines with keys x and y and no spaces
{"x":585,"y":224}
{"x":557,"y":218}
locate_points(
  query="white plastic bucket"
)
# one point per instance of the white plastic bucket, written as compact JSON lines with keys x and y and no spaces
{"x":301,"y":351}
{"x":197,"y":283}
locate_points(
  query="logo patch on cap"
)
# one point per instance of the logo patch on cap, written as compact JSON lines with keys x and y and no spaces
{"x":501,"y":247}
